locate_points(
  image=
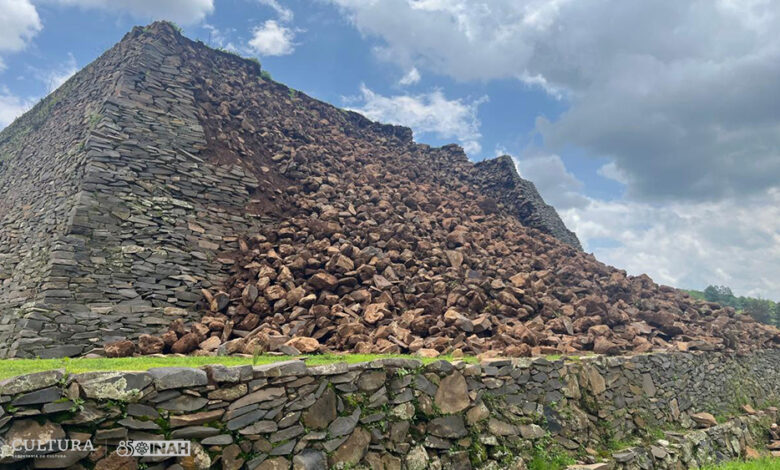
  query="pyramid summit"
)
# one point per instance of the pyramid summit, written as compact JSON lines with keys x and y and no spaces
{"x":170,"y":197}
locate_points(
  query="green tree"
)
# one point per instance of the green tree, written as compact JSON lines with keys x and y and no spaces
{"x":763,"y":310}
{"x":759,"y":309}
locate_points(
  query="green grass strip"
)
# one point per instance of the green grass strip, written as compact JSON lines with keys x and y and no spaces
{"x":765,"y":463}
{"x":14,"y":367}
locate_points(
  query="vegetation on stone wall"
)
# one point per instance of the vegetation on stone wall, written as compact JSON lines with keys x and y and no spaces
{"x":763,"y":310}
{"x":394,"y":413}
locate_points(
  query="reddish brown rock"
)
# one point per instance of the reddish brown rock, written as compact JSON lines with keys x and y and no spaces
{"x":169,"y":338}
{"x":604,"y":346}
{"x":185,"y":344}
{"x":219,"y":302}
{"x":304,"y":344}
{"x":148,"y":344}
{"x":375,"y":312}
{"x":323,"y":281}
{"x":704,"y":420}
{"x":210,"y":344}
{"x":124,"y":348}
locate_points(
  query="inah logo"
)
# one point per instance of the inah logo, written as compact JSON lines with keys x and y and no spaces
{"x":153,"y":448}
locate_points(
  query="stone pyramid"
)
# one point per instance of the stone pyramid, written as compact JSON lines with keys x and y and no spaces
{"x":118,"y":200}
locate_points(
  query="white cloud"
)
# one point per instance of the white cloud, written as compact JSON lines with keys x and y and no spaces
{"x":19,"y":23}
{"x":220,"y":38}
{"x":411,"y":77}
{"x":561,"y":188}
{"x":272,"y":39}
{"x":612,"y":172}
{"x":180,"y":11}
{"x":427,"y":113}
{"x":11,"y":107}
{"x":691,"y":244}
{"x":682,"y":95}
{"x":285,"y":14}
{"x":540,"y":82}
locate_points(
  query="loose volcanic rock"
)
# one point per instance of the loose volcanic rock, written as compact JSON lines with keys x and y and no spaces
{"x":304,"y":344}
{"x":251,"y":218}
{"x":122,"y":348}
{"x":148,"y":344}
{"x":704,"y":420}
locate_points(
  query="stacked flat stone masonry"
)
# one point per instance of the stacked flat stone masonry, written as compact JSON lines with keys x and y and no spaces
{"x":42,"y":158}
{"x":117,"y":200}
{"x":396,"y":413}
{"x":499,"y":179}
{"x":132,"y":229}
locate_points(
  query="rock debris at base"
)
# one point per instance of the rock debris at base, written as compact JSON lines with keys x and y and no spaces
{"x":205,"y":209}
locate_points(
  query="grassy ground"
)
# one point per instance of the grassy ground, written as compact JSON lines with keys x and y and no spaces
{"x":766,"y":463}
{"x":14,"y":367}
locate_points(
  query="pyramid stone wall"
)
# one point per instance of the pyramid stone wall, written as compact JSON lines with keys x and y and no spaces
{"x":42,"y":159}
{"x":116,"y":203}
{"x":499,"y":178}
{"x":133,"y":226}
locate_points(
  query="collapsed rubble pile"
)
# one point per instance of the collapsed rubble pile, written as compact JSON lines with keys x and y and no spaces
{"x":375,"y":269}
{"x":435,"y":296}
{"x":375,"y":244}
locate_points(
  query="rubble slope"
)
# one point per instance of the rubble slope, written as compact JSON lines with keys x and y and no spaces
{"x":374,"y":243}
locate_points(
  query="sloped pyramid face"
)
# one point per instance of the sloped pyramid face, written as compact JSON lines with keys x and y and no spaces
{"x":107,"y":211}
{"x":166,"y":168}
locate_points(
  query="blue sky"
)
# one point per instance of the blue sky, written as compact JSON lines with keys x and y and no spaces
{"x":651,"y":127}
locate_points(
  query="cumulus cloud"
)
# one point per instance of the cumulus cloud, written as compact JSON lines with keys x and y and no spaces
{"x":611,"y":171}
{"x":272,"y":39}
{"x":19,"y":23}
{"x":180,"y":11}
{"x":683,"y":95}
{"x":561,"y":188}
{"x":427,"y":113}
{"x":689,"y":244}
{"x":411,"y":77}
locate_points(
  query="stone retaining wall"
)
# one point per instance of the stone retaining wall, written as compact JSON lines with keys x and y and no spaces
{"x":399,"y":413}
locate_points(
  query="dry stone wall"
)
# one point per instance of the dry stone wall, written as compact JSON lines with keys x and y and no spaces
{"x":144,"y":218}
{"x":113,"y":213}
{"x":399,"y":413}
{"x":42,"y":160}
{"x":499,"y":178}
